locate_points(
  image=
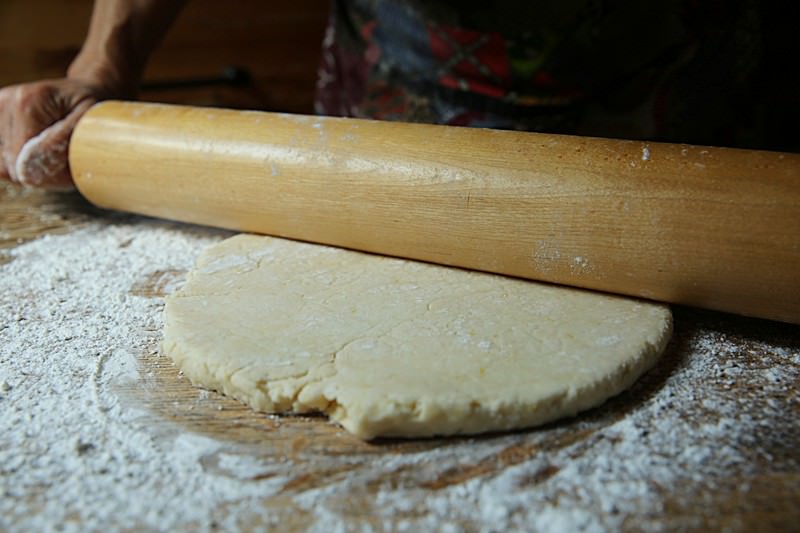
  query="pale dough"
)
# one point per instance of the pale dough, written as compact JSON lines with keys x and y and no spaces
{"x":388,"y":347}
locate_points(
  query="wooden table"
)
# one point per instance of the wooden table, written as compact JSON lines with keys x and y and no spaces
{"x":373,"y":487}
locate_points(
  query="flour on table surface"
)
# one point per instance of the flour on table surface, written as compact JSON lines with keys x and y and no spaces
{"x":76,"y":454}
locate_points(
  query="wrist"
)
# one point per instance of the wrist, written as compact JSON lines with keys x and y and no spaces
{"x":112,"y":77}
{"x":122,"y":33}
{"x":113,"y":56}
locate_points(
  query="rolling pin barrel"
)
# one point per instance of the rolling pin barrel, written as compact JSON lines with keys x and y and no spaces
{"x":710,"y":227}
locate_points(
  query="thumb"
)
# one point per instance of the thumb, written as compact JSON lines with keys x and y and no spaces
{"x":43,"y":160}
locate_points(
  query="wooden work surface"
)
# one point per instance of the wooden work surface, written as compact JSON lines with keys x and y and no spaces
{"x":760,"y":490}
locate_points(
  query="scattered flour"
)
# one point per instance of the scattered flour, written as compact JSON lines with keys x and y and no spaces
{"x":75,"y":455}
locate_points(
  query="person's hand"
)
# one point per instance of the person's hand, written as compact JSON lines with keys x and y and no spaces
{"x":36,"y":121}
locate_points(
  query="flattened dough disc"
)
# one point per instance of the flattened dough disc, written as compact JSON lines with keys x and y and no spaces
{"x":388,"y":347}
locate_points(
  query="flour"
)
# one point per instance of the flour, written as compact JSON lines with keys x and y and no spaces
{"x":77,"y":455}
{"x":43,"y":158}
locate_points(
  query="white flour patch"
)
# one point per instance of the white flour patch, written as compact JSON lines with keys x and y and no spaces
{"x":76,"y":456}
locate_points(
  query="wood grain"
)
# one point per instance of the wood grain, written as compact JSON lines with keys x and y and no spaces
{"x":711,"y":227}
{"x":28,"y":213}
{"x":310,"y":453}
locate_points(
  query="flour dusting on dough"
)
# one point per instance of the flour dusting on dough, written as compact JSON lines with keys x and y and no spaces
{"x":388,"y":347}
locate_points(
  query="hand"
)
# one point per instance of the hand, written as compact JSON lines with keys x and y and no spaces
{"x":37,"y":119}
{"x":36,"y":122}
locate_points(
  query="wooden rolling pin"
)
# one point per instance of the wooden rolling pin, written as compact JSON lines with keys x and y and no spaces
{"x":709,"y":227}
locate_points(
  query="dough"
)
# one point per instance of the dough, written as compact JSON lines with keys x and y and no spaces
{"x":388,"y":347}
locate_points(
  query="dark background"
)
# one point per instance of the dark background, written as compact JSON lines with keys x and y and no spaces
{"x":275,"y":45}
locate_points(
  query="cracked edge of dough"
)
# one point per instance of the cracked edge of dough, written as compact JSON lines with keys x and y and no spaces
{"x":474,"y":417}
{"x":306,"y":393}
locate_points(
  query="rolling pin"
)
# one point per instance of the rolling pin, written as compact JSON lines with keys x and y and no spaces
{"x":709,"y":227}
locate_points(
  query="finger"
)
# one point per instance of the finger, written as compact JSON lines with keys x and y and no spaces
{"x":27,"y":114}
{"x":5,"y":130}
{"x":7,"y":159}
{"x":18,"y":127}
{"x":4,"y":174}
{"x":43,"y":159}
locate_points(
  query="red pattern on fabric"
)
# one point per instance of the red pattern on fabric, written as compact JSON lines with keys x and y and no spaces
{"x":467,"y":118}
{"x":484,"y":67}
{"x":385,"y":102}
